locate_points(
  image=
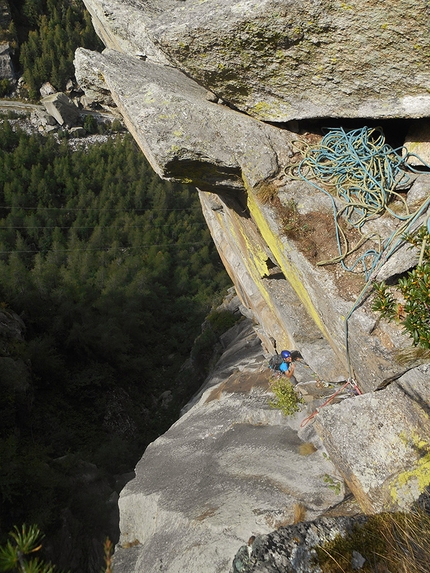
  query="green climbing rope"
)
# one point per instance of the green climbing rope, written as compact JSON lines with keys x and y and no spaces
{"x":361,"y":174}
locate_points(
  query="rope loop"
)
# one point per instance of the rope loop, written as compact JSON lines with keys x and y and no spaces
{"x":364,"y":174}
{"x":350,"y":382}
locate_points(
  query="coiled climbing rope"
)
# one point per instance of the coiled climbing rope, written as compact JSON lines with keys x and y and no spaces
{"x":362,"y":175}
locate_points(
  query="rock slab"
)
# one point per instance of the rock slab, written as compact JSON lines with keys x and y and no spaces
{"x":279,"y":61}
{"x":380,"y":442}
{"x":231,"y":467}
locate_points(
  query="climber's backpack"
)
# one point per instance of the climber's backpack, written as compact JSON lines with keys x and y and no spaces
{"x":275,"y":362}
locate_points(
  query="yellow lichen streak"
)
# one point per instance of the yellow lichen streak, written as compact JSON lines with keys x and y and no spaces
{"x":278,"y":249}
{"x":411,"y":483}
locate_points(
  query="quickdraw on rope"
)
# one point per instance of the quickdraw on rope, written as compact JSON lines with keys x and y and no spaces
{"x":349,"y":382}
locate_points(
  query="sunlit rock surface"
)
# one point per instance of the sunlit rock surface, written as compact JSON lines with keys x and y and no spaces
{"x":232,"y":158}
{"x":193,"y":81}
{"x":278,"y":60}
{"x":183,"y":134}
{"x":388,"y":461}
{"x":230,"y":468}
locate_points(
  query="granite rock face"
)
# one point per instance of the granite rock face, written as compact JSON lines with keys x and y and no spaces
{"x":7,"y":71}
{"x":278,"y":60}
{"x":193,"y":81}
{"x":229,"y":468}
{"x":292,"y":549}
{"x":231,"y":158}
{"x":183,"y":135}
{"x":388,"y":452}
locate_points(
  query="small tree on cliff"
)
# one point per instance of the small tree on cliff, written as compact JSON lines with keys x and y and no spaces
{"x":19,"y":552}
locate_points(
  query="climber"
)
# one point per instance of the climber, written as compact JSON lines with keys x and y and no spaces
{"x":287,"y":366}
{"x":284,"y":363}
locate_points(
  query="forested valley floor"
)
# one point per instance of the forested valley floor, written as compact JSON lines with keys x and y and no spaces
{"x":106,"y":275}
{"x":112,"y":272}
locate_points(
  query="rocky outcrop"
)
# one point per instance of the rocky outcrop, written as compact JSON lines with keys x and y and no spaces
{"x":280,"y":62}
{"x":231,"y":467}
{"x":184,"y":135}
{"x":388,"y":461}
{"x":266,"y":293}
{"x":61,"y":108}
{"x":292,"y":549}
{"x":6,"y":66}
{"x":7,"y":71}
{"x":193,"y":80}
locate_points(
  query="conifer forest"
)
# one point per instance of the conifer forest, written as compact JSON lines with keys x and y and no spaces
{"x":112,"y":272}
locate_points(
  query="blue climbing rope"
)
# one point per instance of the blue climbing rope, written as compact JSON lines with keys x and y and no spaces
{"x":361,"y":174}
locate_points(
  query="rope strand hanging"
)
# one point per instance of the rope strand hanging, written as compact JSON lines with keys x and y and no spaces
{"x":364,"y":175}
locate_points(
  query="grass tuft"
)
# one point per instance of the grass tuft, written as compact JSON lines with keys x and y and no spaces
{"x":412,"y":354}
{"x":286,"y":399}
{"x":306,"y":449}
{"x":267,"y":193}
{"x":389,"y":543}
{"x":299,"y":513}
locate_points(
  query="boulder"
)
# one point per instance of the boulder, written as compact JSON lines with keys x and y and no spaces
{"x":59,"y":106}
{"x":41,"y":118}
{"x":50,"y":129}
{"x":380,"y":442}
{"x":47,"y":89}
{"x":77,"y":132}
{"x":278,"y":61}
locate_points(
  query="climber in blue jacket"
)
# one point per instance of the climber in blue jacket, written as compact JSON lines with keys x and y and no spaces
{"x":287,"y":366}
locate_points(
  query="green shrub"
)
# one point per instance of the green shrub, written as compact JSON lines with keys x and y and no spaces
{"x":5,"y":87}
{"x":117,"y":125}
{"x":221,"y":321}
{"x":204,"y":345}
{"x":90,"y":124}
{"x":286,"y":398}
{"x":411,"y":306}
